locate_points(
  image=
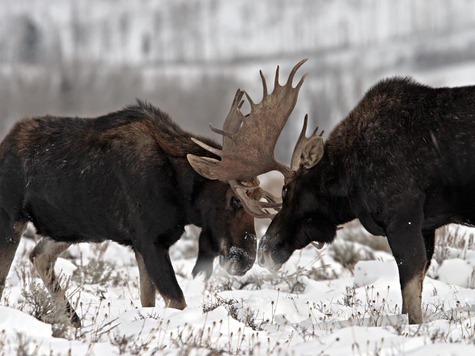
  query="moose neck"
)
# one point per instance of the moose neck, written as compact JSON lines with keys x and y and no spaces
{"x":189,"y":184}
{"x":176,"y":144}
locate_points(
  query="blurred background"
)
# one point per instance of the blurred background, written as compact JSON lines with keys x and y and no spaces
{"x":90,"y":57}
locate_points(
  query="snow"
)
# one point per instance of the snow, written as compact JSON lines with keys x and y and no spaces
{"x":456,"y":271}
{"x":370,"y":272}
{"x":290,"y":312}
{"x":17,"y":322}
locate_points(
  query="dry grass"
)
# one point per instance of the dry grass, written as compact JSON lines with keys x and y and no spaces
{"x":353,"y":308}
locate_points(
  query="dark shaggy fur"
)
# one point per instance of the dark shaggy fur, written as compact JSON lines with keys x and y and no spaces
{"x":122,"y":177}
{"x":403,"y":162}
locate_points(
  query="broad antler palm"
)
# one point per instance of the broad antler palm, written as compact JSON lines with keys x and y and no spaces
{"x":249,"y":142}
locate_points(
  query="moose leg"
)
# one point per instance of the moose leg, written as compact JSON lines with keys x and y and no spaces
{"x":43,"y":257}
{"x":147,"y":288}
{"x":206,"y":254}
{"x":160,"y":269}
{"x":429,"y":242}
{"x":407,"y":244}
{"x":8,"y":245}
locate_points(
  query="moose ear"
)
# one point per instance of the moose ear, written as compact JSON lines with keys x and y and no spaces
{"x":312,"y":152}
{"x":204,"y":166}
{"x":308,"y":150}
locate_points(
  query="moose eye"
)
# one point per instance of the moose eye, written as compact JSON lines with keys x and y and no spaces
{"x":284,"y":191}
{"x":235,"y":203}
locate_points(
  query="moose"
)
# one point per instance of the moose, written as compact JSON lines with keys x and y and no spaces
{"x":402,"y":162}
{"x":123,"y":177}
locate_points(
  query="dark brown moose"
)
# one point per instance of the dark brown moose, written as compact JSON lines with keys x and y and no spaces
{"x":123,"y":177}
{"x":402,"y":162}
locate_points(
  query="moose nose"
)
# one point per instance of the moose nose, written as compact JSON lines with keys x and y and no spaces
{"x":262,"y":251}
{"x":238,"y":261}
{"x":262,"y":260}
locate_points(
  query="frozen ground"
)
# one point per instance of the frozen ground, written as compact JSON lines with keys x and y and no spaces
{"x":320,"y":303}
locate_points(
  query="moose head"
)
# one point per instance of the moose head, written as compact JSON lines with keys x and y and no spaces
{"x":248,"y":151}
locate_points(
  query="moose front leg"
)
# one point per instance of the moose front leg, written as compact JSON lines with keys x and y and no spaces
{"x":147,"y":288}
{"x":43,"y":257}
{"x":159,"y":267}
{"x":408,"y":247}
{"x":207,"y":252}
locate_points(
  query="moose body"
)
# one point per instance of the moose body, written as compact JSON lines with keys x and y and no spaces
{"x":122,"y":177}
{"x":403,"y":163}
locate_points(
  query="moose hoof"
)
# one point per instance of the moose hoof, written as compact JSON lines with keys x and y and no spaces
{"x":75,"y":321}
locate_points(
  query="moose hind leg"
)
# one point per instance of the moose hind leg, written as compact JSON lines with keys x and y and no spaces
{"x":147,"y":288}
{"x":8,"y":245}
{"x":43,"y":257}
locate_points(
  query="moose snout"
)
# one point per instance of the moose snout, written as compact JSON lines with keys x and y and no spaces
{"x":264,"y":255}
{"x":262,"y":252}
{"x":238,"y":261}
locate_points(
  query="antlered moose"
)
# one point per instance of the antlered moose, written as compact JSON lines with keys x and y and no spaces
{"x":122,"y":177}
{"x":402,"y":162}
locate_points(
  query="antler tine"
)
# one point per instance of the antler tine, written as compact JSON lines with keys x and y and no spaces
{"x":264,"y":85}
{"x":253,"y":207}
{"x":233,"y":121}
{"x":300,"y":141}
{"x":249,"y":99}
{"x":272,"y":200}
{"x":220,"y":132}
{"x":304,"y":128}
{"x":237,"y":101}
{"x":300,"y":83}
{"x":276,"y":80}
{"x":213,"y":150}
{"x":314,"y":131}
{"x":294,"y":70}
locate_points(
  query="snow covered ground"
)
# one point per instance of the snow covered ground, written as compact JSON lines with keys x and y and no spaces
{"x":320,"y":303}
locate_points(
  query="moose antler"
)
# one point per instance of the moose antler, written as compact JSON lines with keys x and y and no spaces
{"x":251,"y":196}
{"x":249,"y":142}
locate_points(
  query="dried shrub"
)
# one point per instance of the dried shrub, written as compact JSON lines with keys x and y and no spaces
{"x":44,"y":308}
{"x":349,"y":253}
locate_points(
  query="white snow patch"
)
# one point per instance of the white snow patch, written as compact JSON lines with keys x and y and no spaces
{"x":456,"y":271}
